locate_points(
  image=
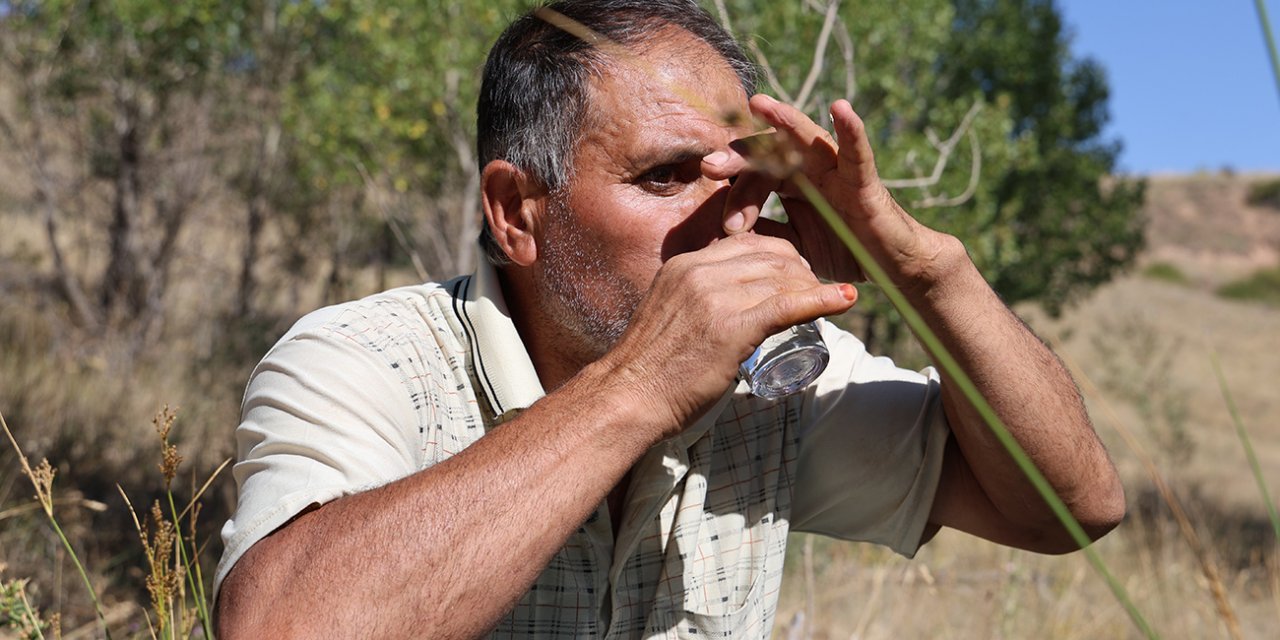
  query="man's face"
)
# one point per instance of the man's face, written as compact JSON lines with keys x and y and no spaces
{"x":637,"y":196}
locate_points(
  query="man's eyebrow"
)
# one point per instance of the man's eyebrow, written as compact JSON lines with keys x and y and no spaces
{"x":670,"y":155}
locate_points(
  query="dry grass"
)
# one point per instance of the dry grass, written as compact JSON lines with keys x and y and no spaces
{"x":1145,"y":346}
{"x":1144,"y":343}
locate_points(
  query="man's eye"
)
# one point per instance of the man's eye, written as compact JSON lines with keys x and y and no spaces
{"x":662,"y":176}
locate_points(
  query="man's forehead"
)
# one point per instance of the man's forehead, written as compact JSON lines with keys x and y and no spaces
{"x":674,"y":67}
{"x":674,"y":97}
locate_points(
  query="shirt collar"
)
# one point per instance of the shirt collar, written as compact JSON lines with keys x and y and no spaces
{"x":502,"y":365}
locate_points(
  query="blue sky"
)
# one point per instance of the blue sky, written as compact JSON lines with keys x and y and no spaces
{"x":1191,"y":84}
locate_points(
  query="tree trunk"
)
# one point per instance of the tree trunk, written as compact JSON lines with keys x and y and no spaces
{"x":82,"y":311}
{"x":870,"y":335}
{"x":124,"y":290}
{"x":249,"y":257}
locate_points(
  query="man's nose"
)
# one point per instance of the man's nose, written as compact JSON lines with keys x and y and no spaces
{"x":703,"y":224}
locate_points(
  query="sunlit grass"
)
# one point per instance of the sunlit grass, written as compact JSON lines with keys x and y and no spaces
{"x":1261,"y":286}
{"x":1165,"y":272}
{"x":174,"y":578}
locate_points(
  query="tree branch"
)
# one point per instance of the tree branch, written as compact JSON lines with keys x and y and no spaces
{"x":846,"y":51}
{"x":462,"y":147}
{"x":945,"y":149}
{"x":724,"y":16}
{"x":769,"y":75}
{"x":379,"y":201}
{"x":819,"y":57}
{"x":975,"y":173}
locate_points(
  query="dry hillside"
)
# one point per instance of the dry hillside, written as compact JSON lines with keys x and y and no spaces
{"x":1143,"y":348}
{"x":1146,"y":339}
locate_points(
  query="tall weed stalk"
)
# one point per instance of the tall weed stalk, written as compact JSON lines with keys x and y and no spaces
{"x":1270,"y":38}
{"x":1243,"y":434}
{"x":960,"y":378}
{"x":174,"y":577}
{"x":41,"y":477}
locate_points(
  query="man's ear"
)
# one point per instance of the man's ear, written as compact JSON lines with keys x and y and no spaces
{"x":512,"y":204}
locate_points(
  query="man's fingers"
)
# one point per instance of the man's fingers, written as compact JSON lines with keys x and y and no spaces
{"x":745,"y":200}
{"x":739,"y":245}
{"x":818,"y":149}
{"x":804,"y":305}
{"x":855,"y":150}
{"x":724,"y":164}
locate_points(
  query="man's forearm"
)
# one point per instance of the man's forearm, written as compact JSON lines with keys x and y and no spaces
{"x":1034,"y":396}
{"x":470,"y":534}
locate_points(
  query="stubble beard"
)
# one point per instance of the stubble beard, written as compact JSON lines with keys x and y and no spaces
{"x":588,"y":297}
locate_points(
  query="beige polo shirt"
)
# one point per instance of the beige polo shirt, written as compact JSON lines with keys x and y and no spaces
{"x":361,"y":394}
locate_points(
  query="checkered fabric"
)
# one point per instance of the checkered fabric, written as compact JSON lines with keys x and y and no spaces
{"x":361,"y":394}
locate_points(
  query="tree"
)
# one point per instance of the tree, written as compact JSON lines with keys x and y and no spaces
{"x":345,"y":127}
{"x":383,"y":119}
{"x":1071,"y":227}
{"x":984,"y":127}
{"x":124,"y":91}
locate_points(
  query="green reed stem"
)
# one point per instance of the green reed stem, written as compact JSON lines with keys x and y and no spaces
{"x":1248,"y":446}
{"x":191,"y":562}
{"x":957,"y":376}
{"x":84,"y":576}
{"x":46,"y":502}
{"x":28,"y":614}
{"x":1270,"y":38}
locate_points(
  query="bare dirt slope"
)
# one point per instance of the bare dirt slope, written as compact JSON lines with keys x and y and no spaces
{"x":1148,"y":344}
{"x":1203,"y":224}
{"x":1143,"y":348}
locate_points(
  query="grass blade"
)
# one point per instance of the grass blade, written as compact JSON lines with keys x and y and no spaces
{"x":1248,"y":446}
{"x":1270,"y":38}
{"x":957,"y":375}
{"x":45,"y":495}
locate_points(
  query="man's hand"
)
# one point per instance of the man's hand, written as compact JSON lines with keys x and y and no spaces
{"x":706,"y":312}
{"x":845,"y":174}
{"x":982,"y":491}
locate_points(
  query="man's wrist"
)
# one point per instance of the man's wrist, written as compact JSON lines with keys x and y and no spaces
{"x":620,"y":404}
{"x":941,"y":269}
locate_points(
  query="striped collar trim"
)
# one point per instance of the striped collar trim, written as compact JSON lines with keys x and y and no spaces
{"x":502,"y":365}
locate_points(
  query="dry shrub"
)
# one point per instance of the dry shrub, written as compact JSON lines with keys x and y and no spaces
{"x":85,"y":403}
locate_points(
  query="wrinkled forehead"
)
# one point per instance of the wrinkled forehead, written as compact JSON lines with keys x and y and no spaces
{"x":673,"y":87}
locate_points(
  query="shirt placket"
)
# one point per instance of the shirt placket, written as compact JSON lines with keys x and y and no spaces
{"x":653,"y":495}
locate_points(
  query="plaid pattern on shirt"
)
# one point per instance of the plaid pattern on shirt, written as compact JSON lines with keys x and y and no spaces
{"x":701,"y":546}
{"x":362,"y":394}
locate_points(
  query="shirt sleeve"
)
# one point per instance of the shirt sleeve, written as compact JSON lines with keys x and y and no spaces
{"x":325,"y":415}
{"x":871,"y":446}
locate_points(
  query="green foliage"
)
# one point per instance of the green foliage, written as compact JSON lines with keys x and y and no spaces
{"x":1063,"y":225}
{"x":1265,"y":193}
{"x":16,"y":613}
{"x":389,"y":85}
{"x":1165,"y":272}
{"x":373,"y":99}
{"x":1261,"y":286}
{"x":1043,"y":218}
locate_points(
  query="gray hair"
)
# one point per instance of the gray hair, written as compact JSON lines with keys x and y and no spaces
{"x":534,"y":93}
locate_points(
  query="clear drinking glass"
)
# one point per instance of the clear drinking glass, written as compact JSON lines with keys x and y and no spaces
{"x":786,"y":362}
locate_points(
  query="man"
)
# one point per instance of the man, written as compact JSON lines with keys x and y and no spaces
{"x":558,"y":445}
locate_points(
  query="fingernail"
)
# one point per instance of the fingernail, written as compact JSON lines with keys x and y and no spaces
{"x":849,"y":292}
{"x":716,"y":159}
{"x":770,"y":99}
{"x":734,"y":222}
